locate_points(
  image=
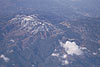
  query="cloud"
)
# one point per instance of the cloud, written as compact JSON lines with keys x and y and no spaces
{"x":71,"y":48}
{"x":6,"y":59}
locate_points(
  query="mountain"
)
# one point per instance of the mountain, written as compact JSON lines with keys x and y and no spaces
{"x":28,"y":32}
{"x":69,"y":9}
{"x":54,"y":33}
{"x":28,"y":41}
{"x":30,"y":27}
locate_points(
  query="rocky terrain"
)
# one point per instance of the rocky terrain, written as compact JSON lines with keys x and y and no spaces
{"x":28,"y":41}
{"x":53,"y":33}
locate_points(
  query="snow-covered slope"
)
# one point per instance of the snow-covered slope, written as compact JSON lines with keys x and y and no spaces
{"x":32,"y":26}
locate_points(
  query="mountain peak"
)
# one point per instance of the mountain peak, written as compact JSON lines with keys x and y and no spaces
{"x":32,"y":25}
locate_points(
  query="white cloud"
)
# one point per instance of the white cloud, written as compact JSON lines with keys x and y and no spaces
{"x":71,"y":48}
{"x":6,"y":59}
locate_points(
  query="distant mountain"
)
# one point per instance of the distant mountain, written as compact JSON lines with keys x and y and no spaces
{"x":65,"y":8}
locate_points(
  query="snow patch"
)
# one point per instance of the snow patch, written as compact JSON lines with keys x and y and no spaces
{"x":12,"y":40}
{"x":99,"y":49}
{"x":65,"y":62}
{"x":55,"y":54}
{"x":83,"y":48}
{"x":64,"y":56}
{"x":28,"y":18}
{"x":32,"y":65}
{"x":6,"y":59}
{"x":94,"y":53}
